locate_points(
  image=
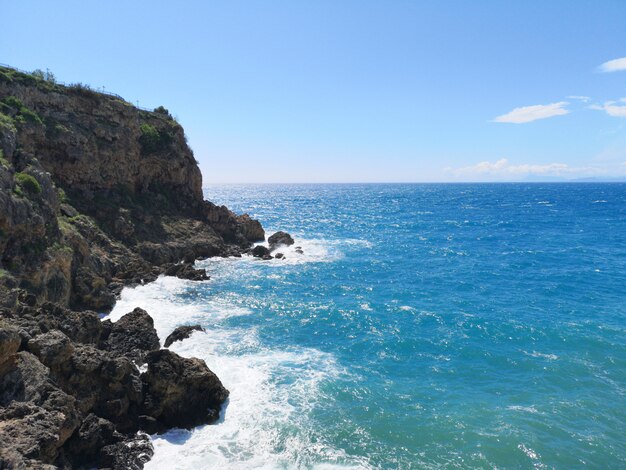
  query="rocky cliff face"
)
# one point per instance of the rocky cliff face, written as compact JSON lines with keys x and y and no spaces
{"x":95,"y":194}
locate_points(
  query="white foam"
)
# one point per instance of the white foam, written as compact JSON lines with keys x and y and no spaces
{"x":314,"y":250}
{"x":266,"y":423}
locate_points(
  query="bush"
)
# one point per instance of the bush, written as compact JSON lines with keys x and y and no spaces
{"x":28,"y":182}
{"x":23,"y":114}
{"x":152,"y":140}
{"x":164,"y":111}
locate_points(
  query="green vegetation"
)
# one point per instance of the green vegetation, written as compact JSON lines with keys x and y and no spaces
{"x":48,"y":76}
{"x":62,"y":196}
{"x":6,"y":122}
{"x":152,"y":140}
{"x":3,"y":161}
{"x":22,"y":113}
{"x":7,"y":74}
{"x":162,"y":110}
{"x":28,"y":182}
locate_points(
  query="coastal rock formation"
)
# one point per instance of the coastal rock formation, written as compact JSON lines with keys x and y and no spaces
{"x":95,"y":195}
{"x":187,"y":271}
{"x":181,"y":333}
{"x":132,"y":336}
{"x":280,"y":238}
{"x":261,"y":251}
{"x":181,"y":392}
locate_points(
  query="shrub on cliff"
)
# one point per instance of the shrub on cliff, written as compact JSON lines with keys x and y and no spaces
{"x":22,"y":113}
{"x":164,"y":111}
{"x":27,"y":182}
{"x":152,"y":140}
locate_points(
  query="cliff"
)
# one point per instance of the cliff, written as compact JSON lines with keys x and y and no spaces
{"x":96,"y":194}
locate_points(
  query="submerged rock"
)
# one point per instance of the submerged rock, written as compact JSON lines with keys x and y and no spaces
{"x":181,"y":333}
{"x":181,"y":392}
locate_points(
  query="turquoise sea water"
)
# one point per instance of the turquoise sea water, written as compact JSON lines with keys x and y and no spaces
{"x":425,"y":326}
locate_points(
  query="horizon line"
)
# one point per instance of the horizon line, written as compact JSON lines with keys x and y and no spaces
{"x":583,"y":181}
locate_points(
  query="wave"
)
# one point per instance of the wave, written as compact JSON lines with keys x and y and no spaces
{"x":267,"y":421}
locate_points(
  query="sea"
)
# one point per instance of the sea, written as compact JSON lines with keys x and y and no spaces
{"x":422,"y":326}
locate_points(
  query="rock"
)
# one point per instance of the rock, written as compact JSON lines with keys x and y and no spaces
{"x":94,"y":433}
{"x":68,"y":210}
{"x":280,"y":238}
{"x":181,"y":333}
{"x":52,"y":348}
{"x":10,"y":341}
{"x":181,"y":392}
{"x":260,"y":251}
{"x":130,"y":454}
{"x":279,"y":256}
{"x":36,"y":417}
{"x":133,"y":335}
{"x":187,"y":271}
{"x":251,"y":229}
{"x":104,"y":384}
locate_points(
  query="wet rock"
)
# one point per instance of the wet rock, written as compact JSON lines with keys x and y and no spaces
{"x":260,"y":251}
{"x":187,"y":271}
{"x":280,"y":238}
{"x":181,"y":392}
{"x":133,"y":335}
{"x":130,"y":454}
{"x":181,"y":333}
{"x":279,"y":256}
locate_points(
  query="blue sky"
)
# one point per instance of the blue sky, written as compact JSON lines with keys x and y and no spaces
{"x":354,"y":91}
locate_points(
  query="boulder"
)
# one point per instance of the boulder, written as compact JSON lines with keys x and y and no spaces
{"x":187,"y":271}
{"x":37,"y":416}
{"x":133,"y":335}
{"x":181,"y":392}
{"x":9,"y":342}
{"x":279,"y":256}
{"x":260,"y":251}
{"x":52,"y":348}
{"x":181,"y":333}
{"x":250,"y":228}
{"x":280,"y":238}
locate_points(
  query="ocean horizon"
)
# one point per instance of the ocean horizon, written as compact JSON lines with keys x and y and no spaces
{"x":430,"y":325}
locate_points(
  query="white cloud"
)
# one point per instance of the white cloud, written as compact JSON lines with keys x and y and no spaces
{"x":532,"y":113}
{"x":612,"y":108}
{"x":613,"y":65}
{"x":504,"y":169}
{"x":584,"y":99}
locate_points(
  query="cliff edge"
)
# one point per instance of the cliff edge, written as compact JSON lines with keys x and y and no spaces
{"x":96,"y":194}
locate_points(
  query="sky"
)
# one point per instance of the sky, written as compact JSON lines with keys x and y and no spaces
{"x":354,"y":91}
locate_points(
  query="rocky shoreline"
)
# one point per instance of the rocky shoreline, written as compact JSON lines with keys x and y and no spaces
{"x":96,"y":195}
